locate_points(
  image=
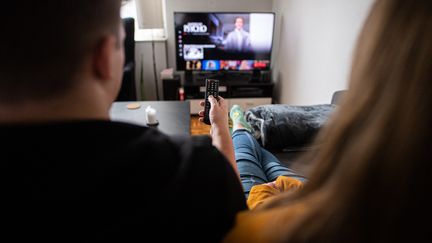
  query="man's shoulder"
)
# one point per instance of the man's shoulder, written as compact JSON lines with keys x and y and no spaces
{"x":196,"y":148}
{"x":193,"y":141}
{"x":103,"y":137}
{"x":158,"y":144}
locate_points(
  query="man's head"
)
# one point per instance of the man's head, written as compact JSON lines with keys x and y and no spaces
{"x":47,"y":46}
{"x":239,"y":22}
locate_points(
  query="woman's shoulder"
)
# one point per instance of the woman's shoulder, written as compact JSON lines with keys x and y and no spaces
{"x":264,"y":225}
{"x":264,"y":193}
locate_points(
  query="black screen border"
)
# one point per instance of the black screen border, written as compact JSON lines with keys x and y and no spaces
{"x":177,"y":57}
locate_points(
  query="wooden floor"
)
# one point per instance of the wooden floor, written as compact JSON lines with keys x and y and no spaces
{"x":197,"y":127}
{"x":200,"y":128}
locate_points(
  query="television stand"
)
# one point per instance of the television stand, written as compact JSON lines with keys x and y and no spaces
{"x":240,"y":88}
{"x":201,"y":76}
{"x":229,"y":76}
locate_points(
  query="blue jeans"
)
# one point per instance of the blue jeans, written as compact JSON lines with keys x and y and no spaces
{"x":255,"y":164}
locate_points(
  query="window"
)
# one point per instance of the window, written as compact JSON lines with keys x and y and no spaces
{"x":137,"y":9}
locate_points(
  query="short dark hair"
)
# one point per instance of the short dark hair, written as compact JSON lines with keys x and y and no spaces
{"x":44,"y":43}
{"x":239,"y":17}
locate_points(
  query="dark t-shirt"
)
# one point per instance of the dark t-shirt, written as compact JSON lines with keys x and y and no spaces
{"x":98,"y":180}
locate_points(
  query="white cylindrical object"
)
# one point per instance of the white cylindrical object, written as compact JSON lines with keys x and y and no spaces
{"x":151,"y":115}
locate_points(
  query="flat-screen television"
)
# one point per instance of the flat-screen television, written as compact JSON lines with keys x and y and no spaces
{"x":216,"y":41}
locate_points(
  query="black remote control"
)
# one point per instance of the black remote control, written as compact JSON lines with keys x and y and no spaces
{"x":212,"y":88}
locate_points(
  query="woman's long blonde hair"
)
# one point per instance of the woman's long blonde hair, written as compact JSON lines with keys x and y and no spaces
{"x":373,"y":172}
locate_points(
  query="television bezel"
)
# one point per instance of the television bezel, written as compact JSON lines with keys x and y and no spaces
{"x":177,"y":57}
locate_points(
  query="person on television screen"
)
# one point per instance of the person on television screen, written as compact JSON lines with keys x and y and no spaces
{"x":245,"y":65}
{"x":196,"y":65}
{"x":238,"y":40}
{"x":211,"y":65}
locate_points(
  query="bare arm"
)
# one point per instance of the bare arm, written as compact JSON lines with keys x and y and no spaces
{"x":220,"y":130}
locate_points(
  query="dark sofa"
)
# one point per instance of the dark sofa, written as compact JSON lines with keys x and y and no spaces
{"x":288,"y":131}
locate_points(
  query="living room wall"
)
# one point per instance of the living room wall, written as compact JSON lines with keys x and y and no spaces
{"x":314,"y":42}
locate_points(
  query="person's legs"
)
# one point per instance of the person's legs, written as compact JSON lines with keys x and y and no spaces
{"x":248,"y":156}
{"x":273,"y":168}
{"x":256,"y":165}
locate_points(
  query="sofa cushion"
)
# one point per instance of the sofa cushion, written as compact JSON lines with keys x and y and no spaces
{"x":279,"y":127}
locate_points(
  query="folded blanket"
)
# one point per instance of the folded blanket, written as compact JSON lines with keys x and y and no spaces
{"x":284,"y":126}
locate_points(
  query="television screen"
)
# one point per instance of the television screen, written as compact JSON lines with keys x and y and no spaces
{"x":223,"y":41}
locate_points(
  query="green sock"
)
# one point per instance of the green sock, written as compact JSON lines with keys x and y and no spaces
{"x":237,"y":117}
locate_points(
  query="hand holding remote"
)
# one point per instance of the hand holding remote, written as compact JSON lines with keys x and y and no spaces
{"x":212,"y":89}
{"x":218,"y":113}
{"x":220,"y":133}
